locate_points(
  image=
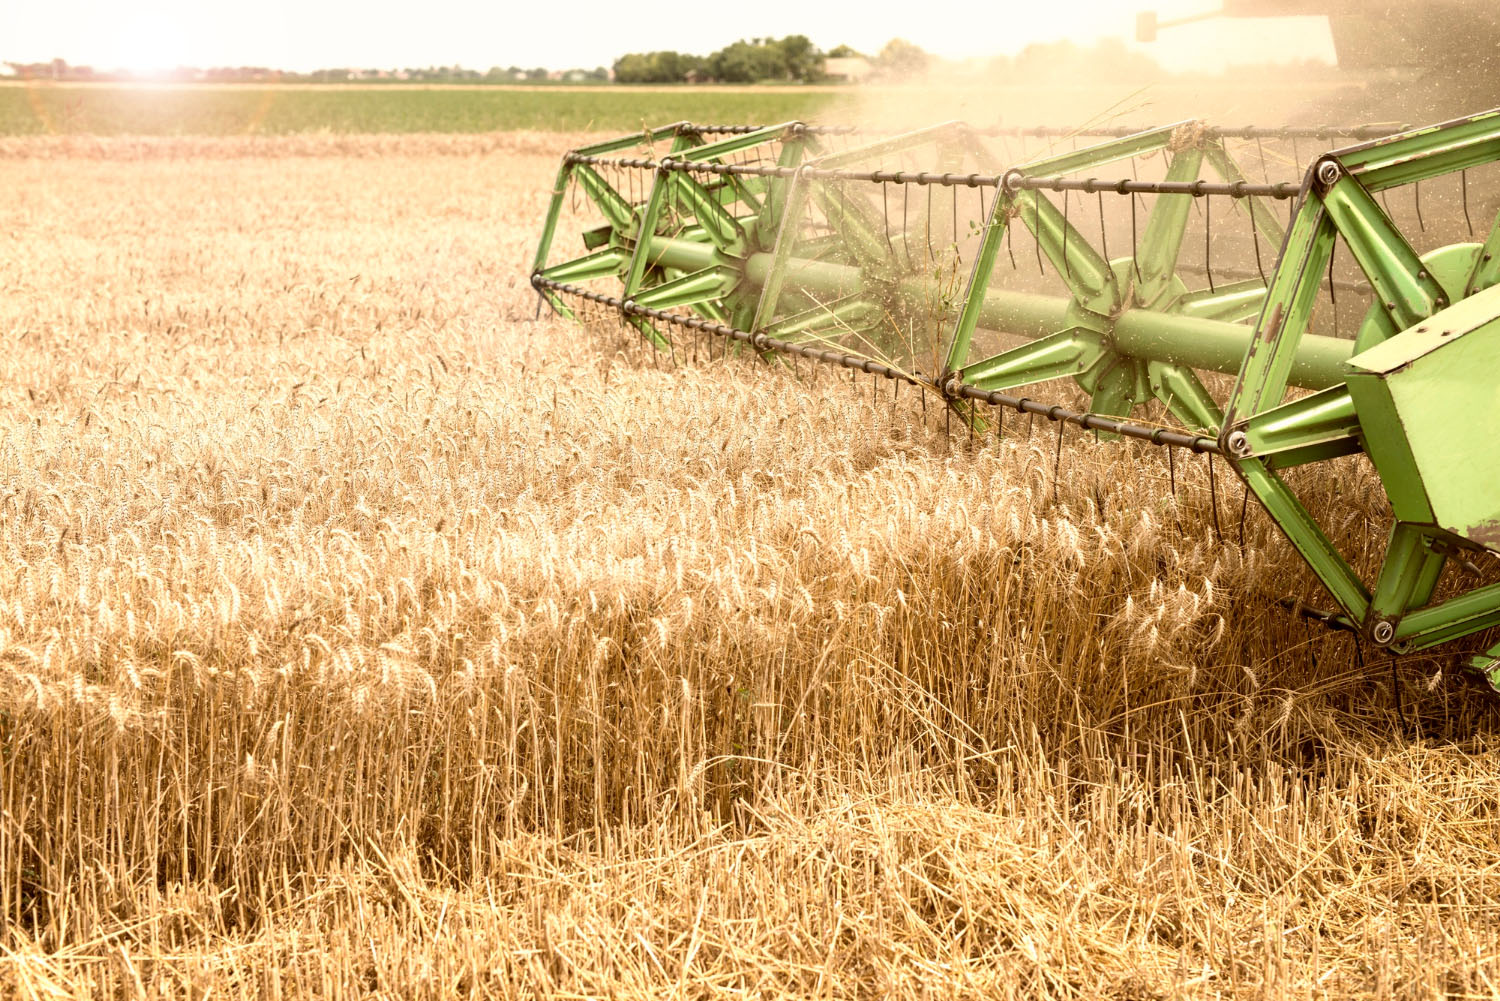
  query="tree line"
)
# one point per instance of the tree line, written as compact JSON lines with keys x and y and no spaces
{"x":793,"y":58}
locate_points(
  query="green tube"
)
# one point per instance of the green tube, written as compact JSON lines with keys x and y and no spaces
{"x":1210,"y":345}
{"x":1217,"y":346}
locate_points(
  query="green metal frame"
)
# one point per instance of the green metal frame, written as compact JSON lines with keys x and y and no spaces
{"x":1266,"y":432}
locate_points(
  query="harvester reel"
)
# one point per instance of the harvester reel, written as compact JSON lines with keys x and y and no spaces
{"x":773,"y":238}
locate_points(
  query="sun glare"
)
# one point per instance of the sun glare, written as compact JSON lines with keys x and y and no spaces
{"x":151,"y":45}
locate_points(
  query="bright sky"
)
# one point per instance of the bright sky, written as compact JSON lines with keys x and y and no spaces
{"x":309,"y":34}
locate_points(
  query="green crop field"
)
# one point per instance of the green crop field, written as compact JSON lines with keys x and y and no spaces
{"x":35,"y":109}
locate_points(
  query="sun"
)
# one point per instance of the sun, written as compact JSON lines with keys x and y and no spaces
{"x":151,"y":44}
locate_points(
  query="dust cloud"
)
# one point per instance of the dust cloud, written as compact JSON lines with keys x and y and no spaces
{"x":1416,"y":63}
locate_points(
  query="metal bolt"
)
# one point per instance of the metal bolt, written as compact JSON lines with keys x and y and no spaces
{"x":1239,"y":443}
{"x":1328,"y":172}
{"x":1383,"y":632}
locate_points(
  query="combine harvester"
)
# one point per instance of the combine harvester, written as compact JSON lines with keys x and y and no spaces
{"x":1274,"y":324}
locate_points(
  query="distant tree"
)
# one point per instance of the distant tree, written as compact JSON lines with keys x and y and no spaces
{"x":844,"y":52}
{"x":56,"y":69}
{"x":800,"y":58}
{"x":599,"y":73}
{"x":746,"y":62}
{"x":901,"y":58}
{"x":537,"y":73}
{"x":655,"y":67}
{"x":629,"y":67}
{"x":794,"y":57}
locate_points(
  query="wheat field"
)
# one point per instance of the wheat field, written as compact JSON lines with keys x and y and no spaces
{"x":365,"y":634}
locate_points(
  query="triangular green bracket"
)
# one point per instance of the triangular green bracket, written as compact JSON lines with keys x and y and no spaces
{"x":1067,"y":353}
{"x":1266,"y":432}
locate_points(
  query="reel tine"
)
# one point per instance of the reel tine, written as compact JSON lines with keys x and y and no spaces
{"x":905,"y":232}
{"x":930,"y":257}
{"x":885,"y":207}
{"x":1333,"y":297}
{"x":1255,"y":238}
{"x":1463,"y":181}
{"x":953,"y":200}
{"x":1208,"y":242}
{"x":1036,"y":233}
{"x":1135,"y":245}
{"x":1057,"y":460}
{"x":1213,"y":498}
{"x":1066,"y":265}
{"x":1103,"y":237}
{"x":1244,"y":510}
